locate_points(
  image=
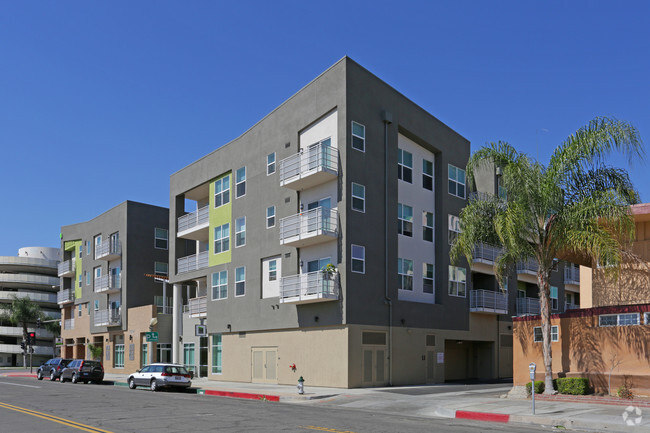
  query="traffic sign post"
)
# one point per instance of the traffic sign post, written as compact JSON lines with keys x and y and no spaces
{"x":151,"y":336}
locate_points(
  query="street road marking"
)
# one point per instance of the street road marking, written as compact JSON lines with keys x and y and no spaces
{"x":333,"y":430}
{"x":18,"y":384}
{"x":53,"y":418}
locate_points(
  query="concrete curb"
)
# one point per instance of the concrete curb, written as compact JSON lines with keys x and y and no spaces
{"x":244,"y":395}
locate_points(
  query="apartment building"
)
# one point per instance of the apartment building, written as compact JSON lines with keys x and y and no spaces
{"x":31,"y":274}
{"x":108,"y":297}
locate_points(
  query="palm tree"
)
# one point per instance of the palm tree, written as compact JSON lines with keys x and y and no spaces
{"x":576,"y":208}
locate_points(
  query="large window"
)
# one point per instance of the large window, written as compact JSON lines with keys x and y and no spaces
{"x":161,"y":237}
{"x":427,"y":226}
{"x":427,"y":175}
{"x":456,"y":181}
{"x":188,"y":356}
{"x":270,"y":163}
{"x":222,"y":191}
{"x":358,"y":197}
{"x":98,"y":243}
{"x":404,"y":166}
{"x":405,"y":220}
{"x":240,"y":182}
{"x":625,"y":319}
{"x":457,"y":281}
{"x":427,"y":277}
{"x":216,"y":354}
{"x":405,"y":272}
{"x":119,"y":356}
{"x":161,"y":268}
{"x":453,"y":223}
{"x":220,"y":285}
{"x":222,"y":238}
{"x":240,"y":281}
{"x":270,"y":217}
{"x":538,"y":338}
{"x":240,"y":232}
{"x":358,"y":254}
{"x":358,"y":136}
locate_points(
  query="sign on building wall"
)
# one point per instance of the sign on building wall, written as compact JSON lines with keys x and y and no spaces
{"x":108,"y":352}
{"x":441,"y":357}
{"x":131,"y":352}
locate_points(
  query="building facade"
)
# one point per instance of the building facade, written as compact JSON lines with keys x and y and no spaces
{"x":31,"y":274}
{"x":108,"y":297}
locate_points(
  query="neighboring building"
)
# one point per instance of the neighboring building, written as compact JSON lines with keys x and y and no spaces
{"x":255,"y":224}
{"x":106,"y":297}
{"x":32,"y":274}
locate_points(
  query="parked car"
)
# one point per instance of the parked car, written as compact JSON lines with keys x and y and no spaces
{"x":52,"y":368}
{"x":83,"y":370}
{"x":159,"y":375}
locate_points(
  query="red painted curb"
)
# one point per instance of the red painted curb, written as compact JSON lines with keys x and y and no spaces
{"x":483,"y":416}
{"x":242,"y":395}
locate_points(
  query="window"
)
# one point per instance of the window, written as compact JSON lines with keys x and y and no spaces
{"x":161,"y":238}
{"x":405,"y":272}
{"x":98,"y":242}
{"x":404,"y":166}
{"x":81,"y":250}
{"x":98,"y":273}
{"x":240,"y":182}
{"x":270,"y":163}
{"x":160,"y":268}
{"x":216,"y":354}
{"x":164,"y":352}
{"x":538,"y":338}
{"x":220,"y":285}
{"x":222,"y":191}
{"x":427,"y":226}
{"x":88,"y":247}
{"x":96,"y":305}
{"x":240,"y":281}
{"x":80,"y":280}
{"x":270,"y":217}
{"x":457,"y":281}
{"x":456,"y":181}
{"x":427,"y":277}
{"x":88,"y":278}
{"x":454,"y":228}
{"x":144,"y":358}
{"x":427,"y":175}
{"x":240,"y":232}
{"x":119,"y":356}
{"x":358,"y":254}
{"x":405,"y":220}
{"x":273,"y":270}
{"x":358,"y":136}
{"x":222,"y":238}
{"x":625,"y":319}
{"x":79,"y":310}
{"x":554,"y":303}
{"x":358,"y":197}
{"x":188,"y":356}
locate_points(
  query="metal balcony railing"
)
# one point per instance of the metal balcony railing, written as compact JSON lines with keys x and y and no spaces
{"x":571,"y":306}
{"x":311,"y":287}
{"x":528,"y":267}
{"x":167,"y":309}
{"x":488,"y":301}
{"x":528,"y":306}
{"x":193,"y":262}
{"x":108,"y":248}
{"x":197,"y":306}
{"x":486,"y":253}
{"x":65,"y":296}
{"x":571,"y":274}
{"x":108,"y":317}
{"x":320,"y":158}
{"x":108,"y":283}
{"x":68,"y":324}
{"x":193,"y":219}
{"x":314,"y":223}
{"x":67,"y":268}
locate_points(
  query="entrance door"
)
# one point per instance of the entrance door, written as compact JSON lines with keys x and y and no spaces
{"x":203,"y":357}
{"x":319,"y":219}
{"x":265,"y":365}
{"x":374,"y":366}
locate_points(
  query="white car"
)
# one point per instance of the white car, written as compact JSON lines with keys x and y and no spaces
{"x":160,"y":375}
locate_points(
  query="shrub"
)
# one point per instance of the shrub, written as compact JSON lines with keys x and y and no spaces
{"x":539,"y":387}
{"x":624,"y":392}
{"x":573,"y":385}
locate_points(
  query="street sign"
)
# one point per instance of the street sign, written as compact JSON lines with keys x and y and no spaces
{"x":152,"y":336}
{"x":200,"y":330}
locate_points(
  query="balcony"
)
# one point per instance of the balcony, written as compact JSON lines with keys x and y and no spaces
{"x":65,"y":296}
{"x":67,"y":269}
{"x":108,"y":317}
{"x":309,"y":288}
{"x":570,"y":306}
{"x":488,"y":301}
{"x":108,"y":283}
{"x":192,"y":263}
{"x":164,"y":309}
{"x":68,"y":324}
{"x":309,"y":228}
{"x":309,"y":167}
{"x":197,"y":307}
{"x":108,"y":250}
{"x":571,"y":274}
{"x":484,"y":253}
{"x":194,"y":225}
{"x":528,"y":307}
{"x":530,"y":267}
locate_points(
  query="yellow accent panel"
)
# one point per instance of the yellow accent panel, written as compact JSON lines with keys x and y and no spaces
{"x":70,"y":245}
{"x":79,"y":271}
{"x":220,"y":216}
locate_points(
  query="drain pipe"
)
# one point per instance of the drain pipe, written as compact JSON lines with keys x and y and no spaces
{"x":387,"y":118}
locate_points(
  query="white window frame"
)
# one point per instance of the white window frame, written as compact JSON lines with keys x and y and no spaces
{"x":270,"y":217}
{"x":156,"y":271}
{"x":359,"y":256}
{"x":454,"y":271}
{"x":425,"y":276}
{"x":646,"y":318}
{"x":119,"y":348}
{"x":358,"y":197}
{"x":240,"y":182}
{"x":240,"y":232}
{"x":88,"y":278}
{"x":426,"y":226}
{"x":619,"y":316}
{"x":270,"y":165}
{"x":273,"y":269}
{"x":88,"y":247}
{"x":219,"y":286}
{"x":403,"y":266}
{"x":402,"y":221}
{"x":222,"y":192}
{"x":157,"y":238}
{"x":402,"y":167}
{"x":96,"y":306}
{"x":362,"y":138}
{"x":555,"y":334}
{"x":240,"y":282}
{"x":453,"y":228}
{"x":222,"y":239}
{"x":456,"y":182}
{"x":216,"y":348}
{"x":97,"y":241}
{"x":426,"y":175}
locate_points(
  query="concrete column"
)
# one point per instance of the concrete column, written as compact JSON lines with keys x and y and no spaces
{"x":177,"y":312}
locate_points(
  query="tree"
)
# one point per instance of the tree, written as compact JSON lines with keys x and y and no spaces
{"x":95,"y":352}
{"x":577,"y":207}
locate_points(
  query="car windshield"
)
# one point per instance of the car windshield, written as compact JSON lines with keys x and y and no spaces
{"x":175,"y":370}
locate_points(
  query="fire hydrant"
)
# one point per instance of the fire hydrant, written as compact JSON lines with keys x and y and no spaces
{"x":301,"y":385}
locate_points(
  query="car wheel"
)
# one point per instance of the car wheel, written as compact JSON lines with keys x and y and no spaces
{"x":154,"y":385}
{"x":131,"y":383}
{"x":52,"y":376}
{"x":62,"y":379}
{"x":74,"y":378}
{"x":39,"y":375}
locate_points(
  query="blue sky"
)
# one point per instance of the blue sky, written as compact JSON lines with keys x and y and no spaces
{"x":101,"y":101}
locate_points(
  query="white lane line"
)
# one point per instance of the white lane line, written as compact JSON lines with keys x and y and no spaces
{"x":18,"y":384}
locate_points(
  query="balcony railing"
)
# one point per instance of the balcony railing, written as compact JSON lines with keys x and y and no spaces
{"x":67,"y":268}
{"x":488,"y":301}
{"x":307,"y":288}
{"x":192,"y":263}
{"x":108,"y":283}
{"x":309,"y":228}
{"x":571,"y":306}
{"x":571,"y":274}
{"x":166,"y":309}
{"x":68,"y":324}
{"x":108,"y":250}
{"x":529,"y":267}
{"x":109,"y":317}
{"x":309,"y":167}
{"x":197,"y":306}
{"x":194,"y":219}
{"x":65,"y":296}
{"x":527,"y":306}
{"x":486,"y":253}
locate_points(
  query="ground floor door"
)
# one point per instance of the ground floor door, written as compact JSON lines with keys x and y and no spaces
{"x":265,"y":364}
{"x":431,"y":358}
{"x":374,"y":367}
{"x":203,"y":357}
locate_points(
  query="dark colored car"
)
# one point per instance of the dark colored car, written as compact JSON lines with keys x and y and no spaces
{"x":83,"y":370}
{"x":52,"y":368}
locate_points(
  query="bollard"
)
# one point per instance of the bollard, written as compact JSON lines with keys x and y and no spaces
{"x":301,"y":385}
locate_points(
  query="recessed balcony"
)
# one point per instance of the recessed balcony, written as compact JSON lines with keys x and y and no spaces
{"x":312,"y":227}
{"x":65,"y":296}
{"x":108,"y":250}
{"x":108,"y":317}
{"x":528,"y":307}
{"x":67,"y":269}
{"x":572,"y":274}
{"x":571,"y":306}
{"x":194,"y":225}
{"x":529,"y":267}
{"x":488,"y":301}
{"x":192,"y":263}
{"x":108,"y":284}
{"x":310,"y":167}
{"x":487,"y":254}
{"x":309,"y":288}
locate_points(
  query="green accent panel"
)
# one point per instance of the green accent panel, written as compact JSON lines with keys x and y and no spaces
{"x":79,"y":270}
{"x":218,"y":217}
{"x":70,"y":245}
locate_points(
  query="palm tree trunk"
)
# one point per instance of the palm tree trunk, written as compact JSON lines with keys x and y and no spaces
{"x":26,"y":348}
{"x":545,"y":310}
